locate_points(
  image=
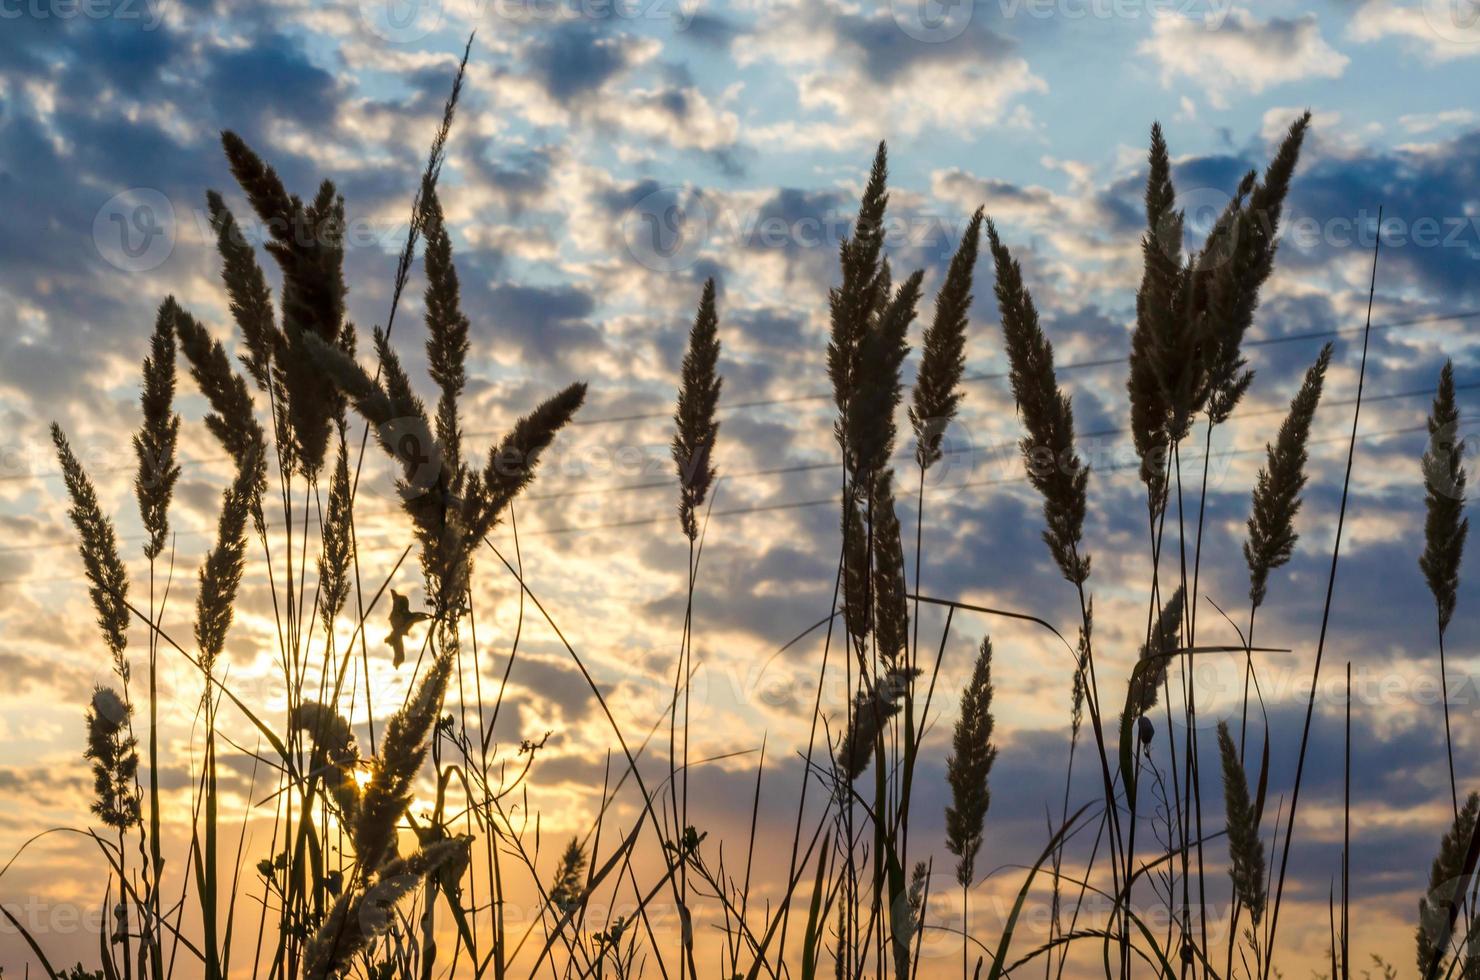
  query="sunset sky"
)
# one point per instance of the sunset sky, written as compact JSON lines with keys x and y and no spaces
{"x":609,"y":156}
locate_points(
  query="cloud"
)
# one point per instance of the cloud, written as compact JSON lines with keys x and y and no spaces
{"x":868,"y":77}
{"x":575,"y":59}
{"x":1419,"y":123}
{"x":564,"y":128}
{"x":1241,"y":54}
{"x":546,"y":323}
{"x":272,"y":78}
{"x":1035,"y":207}
{"x":1438,"y":30}
{"x":583,"y":73}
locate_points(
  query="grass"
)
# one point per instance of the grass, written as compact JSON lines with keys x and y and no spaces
{"x":358,"y":881}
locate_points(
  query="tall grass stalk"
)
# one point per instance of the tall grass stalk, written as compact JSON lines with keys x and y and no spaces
{"x":1445,"y":528}
{"x":693,"y":451}
{"x":401,"y":843}
{"x":1279,"y":888}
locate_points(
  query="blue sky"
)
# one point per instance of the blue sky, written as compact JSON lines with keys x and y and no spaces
{"x":742,"y":133}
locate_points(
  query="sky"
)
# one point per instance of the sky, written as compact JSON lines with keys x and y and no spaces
{"x":610,"y":155}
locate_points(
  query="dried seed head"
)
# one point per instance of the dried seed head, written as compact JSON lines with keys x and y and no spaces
{"x":154,"y":443}
{"x":858,"y":610}
{"x":248,"y":292}
{"x":388,"y":792}
{"x":1444,"y":879}
{"x":695,"y":425}
{"x":221,"y":572}
{"x":337,"y":555}
{"x":937,"y":393}
{"x":1234,"y":266}
{"x":1157,"y":328}
{"x":969,"y":766}
{"x":891,"y":607}
{"x":1277,"y":500}
{"x":336,"y":755}
{"x":1147,"y":680}
{"x":569,"y":883}
{"x":1245,"y":850}
{"x":97,"y":544}
{"x":115,"y":759}
{"x":870,"y":714}
{"x":232,"y":420}
{"x":1053,"y":464}
{"x":447,"y":328}
{"x":1445,"y":526}
{"x":308,"y":244}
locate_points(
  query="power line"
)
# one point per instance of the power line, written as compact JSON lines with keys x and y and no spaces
{"x":789,"y":469}
{"x":827,"y":396}
{"x":1115,"y":468}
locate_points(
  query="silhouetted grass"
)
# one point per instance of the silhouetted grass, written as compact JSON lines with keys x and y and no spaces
{"x":356,"y":880}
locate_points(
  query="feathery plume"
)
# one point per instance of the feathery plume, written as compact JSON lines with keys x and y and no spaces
{"x":1245,"y":849}
{"x":937,"y":393}
{"x":248,"y":292}
{"x":363,"y":913}
{"x":1159,"y":370}
{"x":877,"y":389}
{"x":231,"y":420}
{"x":426,"y":484}
{"x":383,"y":402}
{"x":1081,"y":669}
{"x":115,"y":758}
{"x":337,"y":552}
{"x":98,"y":546}
{"x":308,"y":244}
{"x":511,"y":466}
{"x":856,"y":605}
{"x":891,"y":608}
{"x":1277,"y":500}
{"x":234,"y":424}
{"x":905,"y":917}
{"x":1241,"y":261}
{"x":697,"y":428}
{"x":404,"y":749}
{"x":335,"y":752}
{"x":221,"y":572}
{"x":1445,"y":525}
{"x":154,"y":443}
{"x":1053,"y":465}
{"x":855,"y":303}
{"x":1146,"y":686}
{"x":447,"y":328}
{"x":569,"y":885}
{"x":451,"y":510}
{"x":1192,"y":314}
{"x":1444,"y":879}
{"x":969,"y":766}
{"x":440,"y":855}
{"x":870,"y":713}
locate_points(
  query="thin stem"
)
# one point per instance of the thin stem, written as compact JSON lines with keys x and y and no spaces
{"x":1448,"y":741}
{"x":1310,"y":705}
